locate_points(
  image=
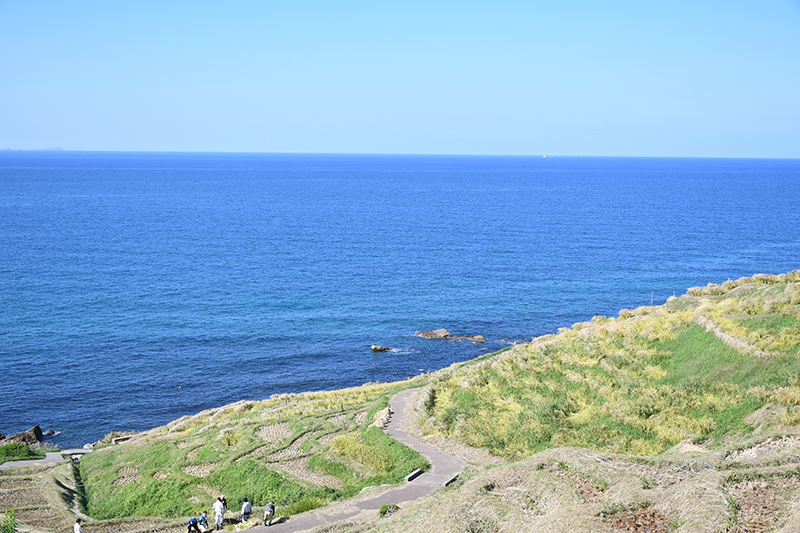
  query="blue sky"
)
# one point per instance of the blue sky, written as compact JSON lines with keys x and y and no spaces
{"x":713,"y":78}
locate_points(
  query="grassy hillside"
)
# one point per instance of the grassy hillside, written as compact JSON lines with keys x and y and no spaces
{"x":299,"y":450}
{"x":692,"y":368}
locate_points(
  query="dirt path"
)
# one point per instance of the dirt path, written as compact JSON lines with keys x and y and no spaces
{"x":444,"y":469}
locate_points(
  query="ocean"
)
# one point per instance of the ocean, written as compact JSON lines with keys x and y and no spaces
{"x":136,"y":288}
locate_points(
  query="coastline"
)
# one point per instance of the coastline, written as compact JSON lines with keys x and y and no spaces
{"x":141,"y":289}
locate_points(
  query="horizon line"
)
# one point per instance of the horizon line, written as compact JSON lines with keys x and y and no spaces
{"x":232,"y":152}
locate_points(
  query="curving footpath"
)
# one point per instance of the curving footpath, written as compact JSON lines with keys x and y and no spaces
{"x":444,"y":469}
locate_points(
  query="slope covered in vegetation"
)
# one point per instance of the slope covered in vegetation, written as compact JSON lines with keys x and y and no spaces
{"x":299,"y":450}
{"x":692,"y":368}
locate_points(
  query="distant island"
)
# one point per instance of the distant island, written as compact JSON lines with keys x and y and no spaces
{"x":50,"y":149}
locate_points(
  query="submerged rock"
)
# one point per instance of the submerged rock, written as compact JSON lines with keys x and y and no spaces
{"x":471,"y":338}
{"x":442,"y":333}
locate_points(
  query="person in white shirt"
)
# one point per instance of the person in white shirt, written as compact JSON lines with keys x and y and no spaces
{"x":77,"y":526}
{"x":219,"y":513}
{"x":247,"y":510}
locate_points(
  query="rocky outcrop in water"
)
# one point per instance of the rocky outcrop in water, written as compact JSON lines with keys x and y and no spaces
{"x":32,"y":436}
{"x":471,"y":338}
{"x":440,"y":333}
{"x":379,"y":348}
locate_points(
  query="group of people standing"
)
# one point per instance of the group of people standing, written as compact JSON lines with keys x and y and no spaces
{"x":220,"y":507}
{"x":200,"y":524}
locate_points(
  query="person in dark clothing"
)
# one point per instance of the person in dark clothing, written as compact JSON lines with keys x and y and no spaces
{"x":269,"y":514}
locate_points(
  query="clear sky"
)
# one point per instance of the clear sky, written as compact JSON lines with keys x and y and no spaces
{"x":639,"y":78}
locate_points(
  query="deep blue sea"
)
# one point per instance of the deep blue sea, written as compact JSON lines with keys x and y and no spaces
{"x":136,"y":288}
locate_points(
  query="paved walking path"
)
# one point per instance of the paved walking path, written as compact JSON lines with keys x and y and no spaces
{"x":444,"y":469}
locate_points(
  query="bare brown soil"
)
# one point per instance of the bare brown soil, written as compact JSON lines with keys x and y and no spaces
{"x":638,"y":520}
{"x":293,"y":450}
{"x":192,"y":455}
{"x":201,"y":470}
{"x":127,"y":474}
{"x":30,"y":497}
{"x":125,"y":480}
{"x":275,"y":433}
{"x":764,"y":505}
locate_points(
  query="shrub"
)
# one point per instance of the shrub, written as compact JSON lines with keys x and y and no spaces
{"x":482,"y":524}
{"x":789,"y":418}
{"x":16,"y":451}
{"x":388,"y":509}
{"x":430,"y":399}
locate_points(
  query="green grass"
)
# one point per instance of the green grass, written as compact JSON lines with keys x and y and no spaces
{"x":731,"y":419}
{"x":16,"y":451}
{"x":325,"y":465}
{"x":149,"y":498}
{"x":9,"y":524}
{"x":390,"y":460}
{"x":773,"y":322}
{"x":156,"y":474}
{"x":380,"y":403}
{"x":251,"y":479}
{"x":307,"y":503}
{"x":701,"y":359}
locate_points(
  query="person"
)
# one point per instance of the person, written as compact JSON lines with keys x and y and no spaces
{"x":269,"y":514}
{"x":219,"y":513}
{"x":193,"y":526}
{"x":77,"y":526}
{"x":247,"y":510}
{"x":202,"y":522}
